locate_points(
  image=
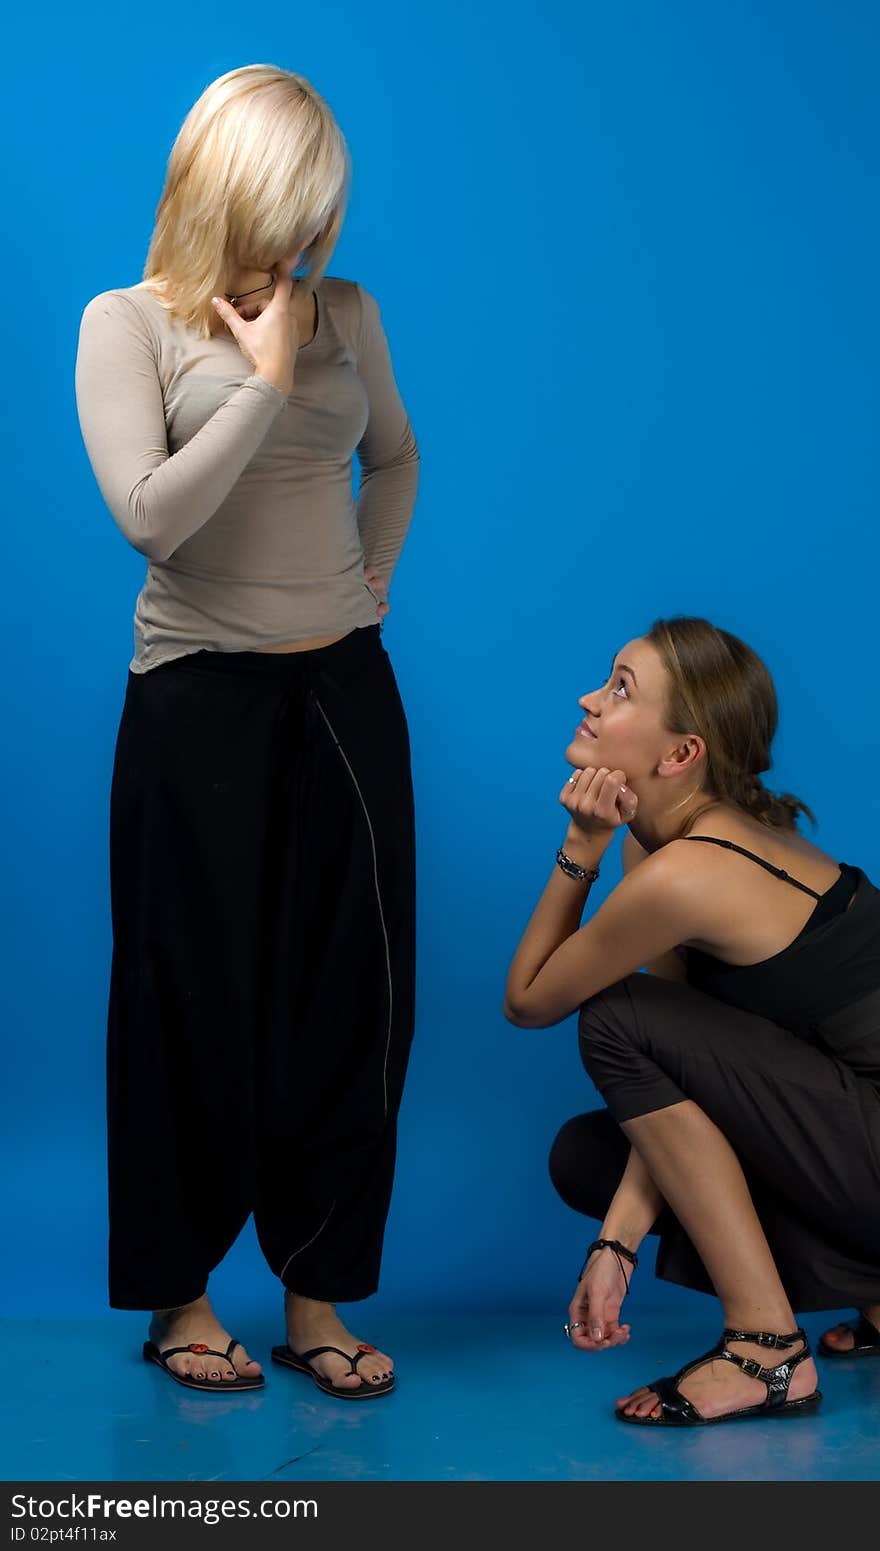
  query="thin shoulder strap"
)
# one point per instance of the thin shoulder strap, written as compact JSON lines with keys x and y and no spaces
{"x":779,"y":871}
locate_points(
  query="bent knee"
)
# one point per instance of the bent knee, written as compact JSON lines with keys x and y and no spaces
{"x":586,"y":1160}
{"x":611,"y":1011}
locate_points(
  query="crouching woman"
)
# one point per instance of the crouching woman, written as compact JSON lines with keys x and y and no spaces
{"x":741,"y":1074}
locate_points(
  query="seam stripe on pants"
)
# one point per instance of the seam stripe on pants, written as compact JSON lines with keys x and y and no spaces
{"x":294,"y":1253}
{"x":378,"y":900}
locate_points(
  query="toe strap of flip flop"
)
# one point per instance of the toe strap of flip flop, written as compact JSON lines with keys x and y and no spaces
{"x":364,"y":1350}
{"x":316,"y":1351}
{"x":198,"y":1348}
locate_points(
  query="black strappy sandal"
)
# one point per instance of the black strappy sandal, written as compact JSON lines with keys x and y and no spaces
{"x":300,"y":1362}
{"x":678,"y":1411}
{"x":152,"y":1354}
{"x":866,"y":1340}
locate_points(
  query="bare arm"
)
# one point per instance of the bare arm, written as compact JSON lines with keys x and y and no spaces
{"x":557,"y":967}
{"x":594,"y":1310}
{"x":671,"y":965}
{"x":634,"y":1206}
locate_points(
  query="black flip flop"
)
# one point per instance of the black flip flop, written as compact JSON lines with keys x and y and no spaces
{"x":152,"y":1354}
{"x":866,"y":1340}
{"x":300,"y":1362}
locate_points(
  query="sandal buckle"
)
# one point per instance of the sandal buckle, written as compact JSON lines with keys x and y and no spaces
{"x":198,"y":1346}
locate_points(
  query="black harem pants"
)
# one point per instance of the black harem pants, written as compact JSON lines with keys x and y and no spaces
{"x":262,"y":989}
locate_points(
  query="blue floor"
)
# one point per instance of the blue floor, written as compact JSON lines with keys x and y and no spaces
{"x":479,"y":1398}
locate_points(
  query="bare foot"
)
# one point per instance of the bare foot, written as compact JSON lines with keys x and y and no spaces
{"x":720,"y":1386}
{"x":198,"y":1322}
{"x":842,"y":1339}
{"x":311,"y":1323}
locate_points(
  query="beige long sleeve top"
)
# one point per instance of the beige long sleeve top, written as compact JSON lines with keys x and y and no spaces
{"x":241,"y":498}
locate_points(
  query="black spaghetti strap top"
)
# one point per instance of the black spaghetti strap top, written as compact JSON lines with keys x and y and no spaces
{"x":797,"y":982}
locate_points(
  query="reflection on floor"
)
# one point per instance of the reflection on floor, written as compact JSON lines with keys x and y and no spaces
{"x":479,"y":1398}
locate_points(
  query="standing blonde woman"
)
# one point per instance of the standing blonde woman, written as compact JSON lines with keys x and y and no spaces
{"x":261,"y":824}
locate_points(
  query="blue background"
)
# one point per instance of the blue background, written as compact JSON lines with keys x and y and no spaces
{"x":627,"y":263}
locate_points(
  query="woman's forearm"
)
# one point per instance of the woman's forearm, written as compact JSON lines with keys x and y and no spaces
{"x":556,"y":917}
{"x":635,"y":1205}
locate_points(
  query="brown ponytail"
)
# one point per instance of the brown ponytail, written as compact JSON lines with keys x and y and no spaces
{"x":718,"y":687}
{"x":778,"y":809}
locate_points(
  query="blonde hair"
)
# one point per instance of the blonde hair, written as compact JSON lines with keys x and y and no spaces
{"x":259,"y":163}
{"x":719,"y":687}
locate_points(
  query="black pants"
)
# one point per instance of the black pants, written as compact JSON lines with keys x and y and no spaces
{"x":806,"y":1130}
{"x":262,"y":989}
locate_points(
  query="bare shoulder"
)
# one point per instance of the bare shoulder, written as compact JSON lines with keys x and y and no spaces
{"x":784,"y":848}
{"x":671,"y":863}
{"x":668,"y":884}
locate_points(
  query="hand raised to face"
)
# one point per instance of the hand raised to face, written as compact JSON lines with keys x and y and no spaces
{"x":598,"y":800}
{"x":271,"y":339}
